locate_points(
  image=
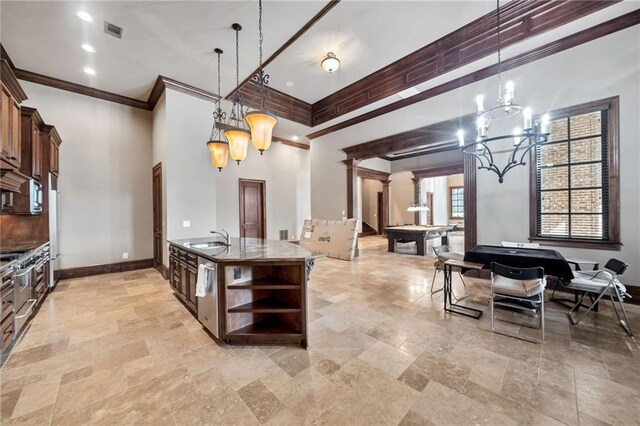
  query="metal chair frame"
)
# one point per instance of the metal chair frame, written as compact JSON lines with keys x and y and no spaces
{"x":537,"y":300}
{"x":439,"y":266}
{"x":615,"y":269}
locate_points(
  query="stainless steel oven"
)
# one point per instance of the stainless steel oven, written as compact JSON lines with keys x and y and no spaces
{"x":36,"y":197}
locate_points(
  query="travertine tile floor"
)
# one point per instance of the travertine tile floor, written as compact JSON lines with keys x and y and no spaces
{"x":119,"y":349}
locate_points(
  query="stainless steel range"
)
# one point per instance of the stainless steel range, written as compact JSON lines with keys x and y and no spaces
{"x":30,"y":281}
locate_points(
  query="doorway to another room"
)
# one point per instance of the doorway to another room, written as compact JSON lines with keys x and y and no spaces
{"x":158,"y":228}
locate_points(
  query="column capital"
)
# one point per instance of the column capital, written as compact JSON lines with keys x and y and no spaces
{"x":351,"y":162}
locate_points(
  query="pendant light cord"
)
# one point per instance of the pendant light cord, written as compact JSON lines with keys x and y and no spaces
{"x":260,"y":30}
{"x":219,"y":97}
{"x":237,"y":61}
{"x":499,"y":55}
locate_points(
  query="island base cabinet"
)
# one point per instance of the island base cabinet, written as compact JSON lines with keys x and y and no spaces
{"x":183,"y":274}
{"x":265,"y":305}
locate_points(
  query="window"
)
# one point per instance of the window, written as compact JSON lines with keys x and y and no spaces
{"x":575,"y":178}
{"x":456,"y":198}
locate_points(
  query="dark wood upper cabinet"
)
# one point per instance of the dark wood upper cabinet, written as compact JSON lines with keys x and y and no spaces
{"x":32,"y":161}
{"x":51,"y":149}
{"x":12,"y":96}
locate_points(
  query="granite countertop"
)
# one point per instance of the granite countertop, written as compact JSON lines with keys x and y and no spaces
{"x":18,"y":247}
{"x":243,"y":249}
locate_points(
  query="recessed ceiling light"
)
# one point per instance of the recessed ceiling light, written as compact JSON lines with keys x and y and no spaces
{"x":289,"y":84}
{"x":295,"y":138}
{"x":84,"y":16}
{"x":89,"y":48}
{"x":89,"y":71}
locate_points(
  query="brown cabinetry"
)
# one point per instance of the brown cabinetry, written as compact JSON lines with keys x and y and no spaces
{"x":32,"y":161}
{"x":11,"y":152}
{"x":183,"y":274}
{"x":7,"y":310}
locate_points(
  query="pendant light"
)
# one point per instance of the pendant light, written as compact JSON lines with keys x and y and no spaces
{"x":238,"y":136}
{"x":217,"y":145}
{"x":261,"y":122}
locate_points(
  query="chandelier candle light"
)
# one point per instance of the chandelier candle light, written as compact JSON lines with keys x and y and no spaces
{"x":524,"y":139}
{"x":238,"y":136}
{"x":261,"y":122}
{"x":217,"y":145}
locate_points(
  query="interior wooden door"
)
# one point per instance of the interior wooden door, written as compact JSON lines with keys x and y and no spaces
{"x":157,"y":217}
{"x":253,"y":217}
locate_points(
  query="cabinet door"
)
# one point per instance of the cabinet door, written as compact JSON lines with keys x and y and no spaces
{"x":54,"y":158}
{"x":174,"y":273}
{"x":16,"y":141}
{"x":192,"y":274}
{"x":184,"y":278}
{"x":5,"y":112}
{"x":36,"y":153}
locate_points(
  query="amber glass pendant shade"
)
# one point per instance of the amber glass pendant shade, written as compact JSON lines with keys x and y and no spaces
{"x":261,"y":125}
{"x":219,"y":154}
{"x":238,"y":143}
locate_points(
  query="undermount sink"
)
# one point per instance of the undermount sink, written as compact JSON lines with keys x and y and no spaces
{"x":208,"y":244}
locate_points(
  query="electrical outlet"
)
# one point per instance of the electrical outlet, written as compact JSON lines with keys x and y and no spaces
{"x":186,"y":223}
{"x":125,"y":255}
{"x":237,"y":273}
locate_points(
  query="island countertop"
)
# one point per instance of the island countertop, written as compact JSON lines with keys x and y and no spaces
{"x":246,"y":249}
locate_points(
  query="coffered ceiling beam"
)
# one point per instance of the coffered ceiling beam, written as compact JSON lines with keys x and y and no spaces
{"x":609,"y":27}
{"x":520,"y":20}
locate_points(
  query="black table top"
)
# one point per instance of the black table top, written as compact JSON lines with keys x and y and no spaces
{"x":553,"y":262}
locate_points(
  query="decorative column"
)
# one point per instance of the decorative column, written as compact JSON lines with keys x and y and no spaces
{"x":416,"y":196}
{"x":385,"y":205}
{"x":352,"y":185}
{"x":470,"y":207}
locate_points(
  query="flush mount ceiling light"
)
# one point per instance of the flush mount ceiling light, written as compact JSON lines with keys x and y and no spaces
{"x":261,"y":121}
{"x":84,"y":16}
{"x":289,"y":84}
{"x":295,"y":138}
{"x":523,"y":140}
{"x":89,"y":71}
{"x":89,"y":48}
{"x":238,"y":136}
{"x":330,"y":63}
{"x":218,"y":146}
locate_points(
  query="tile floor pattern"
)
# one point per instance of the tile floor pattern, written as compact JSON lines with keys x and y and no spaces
{"x":119,"y":349}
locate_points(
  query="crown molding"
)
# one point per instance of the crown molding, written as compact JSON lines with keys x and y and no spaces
{"x":609,"y":27}
{"x":162,"y":83}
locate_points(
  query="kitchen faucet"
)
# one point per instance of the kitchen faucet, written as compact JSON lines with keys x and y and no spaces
{"x":226,"y":237}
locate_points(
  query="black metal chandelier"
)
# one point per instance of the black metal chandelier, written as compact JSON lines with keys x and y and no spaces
{"x":525,"y":138}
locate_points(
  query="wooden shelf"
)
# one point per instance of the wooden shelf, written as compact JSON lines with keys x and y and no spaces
{"x":269,"y":283}
{"x":271,"y":326}
{"x":269,"y":305}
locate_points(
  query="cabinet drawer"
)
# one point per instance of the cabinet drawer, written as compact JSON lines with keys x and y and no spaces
{"x":192,"y":260}
{"x":173,"y":251}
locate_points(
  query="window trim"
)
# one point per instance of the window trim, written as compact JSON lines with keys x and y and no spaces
{"x":451,"y":216}
{"x":612,"y":105}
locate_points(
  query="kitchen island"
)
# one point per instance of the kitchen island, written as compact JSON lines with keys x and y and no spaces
{"x":256,"y":289}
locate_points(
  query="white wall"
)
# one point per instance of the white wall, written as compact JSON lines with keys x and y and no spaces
{"x":561,"y":80}
{"x":400,"y":195}
{"x":105,"y":176}
{"x":437,"y":185}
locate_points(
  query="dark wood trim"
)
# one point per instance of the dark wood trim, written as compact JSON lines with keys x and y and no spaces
{"x":287,"y":142}
{"x":5,"y":55}
{"x":162,"y":83}
{"x":470,"y":203}
{"x":352,"y":184}
{"x":78,"y":88}
{"x":276,"y":139}
{"x":109,"y":268}
{"x":385,"y":206}
{"x":612,"y":105}
{"x":296,"y":36}
{"x":614,"y":25}
{"x":373,"y":174}
{"x":426,"y":135}
{"x":416,"y":196}
{"x":453,"y":146}
{"x":282,"y":105}
{"x":264,"y":204}
{"x":10,"y":80}
{"x":520,"y":20}
{"x":448,"y":170}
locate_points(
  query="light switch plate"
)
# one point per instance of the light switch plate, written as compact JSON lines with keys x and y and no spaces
{"x":125,"y":255}
{"x":186,"y":223}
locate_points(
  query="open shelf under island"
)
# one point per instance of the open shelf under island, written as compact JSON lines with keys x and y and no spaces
{"x":256,"y":289}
